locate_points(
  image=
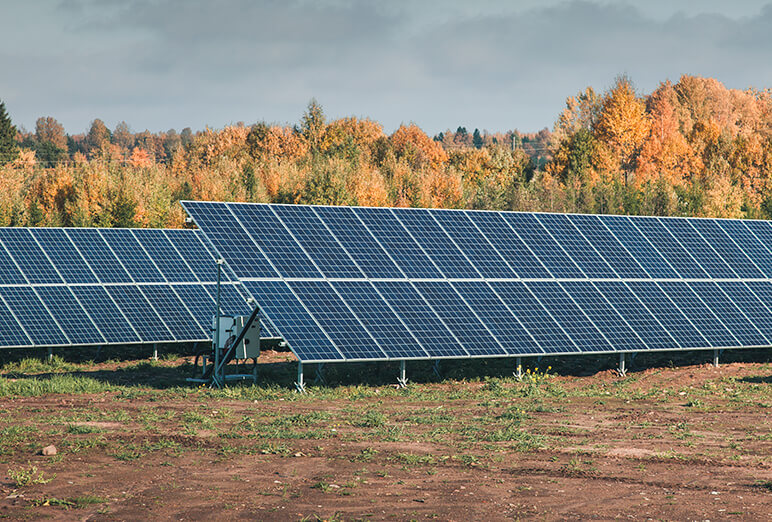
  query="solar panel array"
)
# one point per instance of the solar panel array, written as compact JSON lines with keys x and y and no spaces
{"x":356,"y":283}
{"x":87,"y":286}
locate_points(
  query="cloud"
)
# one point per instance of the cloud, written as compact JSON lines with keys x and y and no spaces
{"x":494,"y":65}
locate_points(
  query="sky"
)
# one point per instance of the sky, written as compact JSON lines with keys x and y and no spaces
{"x":493,"y":65}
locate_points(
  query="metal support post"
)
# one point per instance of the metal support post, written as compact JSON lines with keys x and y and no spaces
{"x":320,"y":375}
{"x":518,"y":369}
{"x":50,"y":355}
{"x":715,"y":358}
{"x":402,"y":379}
{"x":155,"y":352}
{"x":216,"y":381}
{"x":436,"y":369}
{"x":300,"y":385}
{"x":622,"y":369}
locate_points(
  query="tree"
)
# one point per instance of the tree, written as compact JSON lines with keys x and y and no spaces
{"x":313,"y":124}
{"x":51,"y":143}
{"x":477,"y":139}
{"x":98,"y":136}
{"x":122,"y":136}
{"x":9,"y":150}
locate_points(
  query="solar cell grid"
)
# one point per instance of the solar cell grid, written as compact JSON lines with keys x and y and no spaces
{"x":667,"y":245}
{"x":140,"y":313}
{"x":607,"y":246}
{"x":741,"y":232}
{"x":320,"y":245}
{"x":9,"y":272}
{"x":164,"y":255}
{"x":542,"y":244}
{"x":697,"y":248}
{"x":363,"y":248}
{"x":740,"y":263}
{"x":698,"y":313}
{"x":72,"y":318}
{"x":173,"y":312}
{"x":63,"y":254}
{"x":730,"y":316}
{"x":473,"y":244}
{"x":753,"y":308}
{"x":575,"y":246}
{"x":436,"y":243}
{"x":628,"y":235}
{"x":11,"y":332}
{"x":508,"y":245}
{"x":275,"y":241}
{"x":396,"y":240}
{"x":105,"y":314}
{"x":98,"y":255}
{"x":201,"y":260}
{"x":33,"y":316}
{"x":34,"y":264}
{"x":131,"y":255}
{"x":459,"y":318}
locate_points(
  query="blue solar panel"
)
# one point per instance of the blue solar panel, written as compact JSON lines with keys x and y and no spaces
{"x":397,"y":242}
{"x":497,"y":317}
{"x":668,"y":315}
{"x":603,"y":315}
{"x":173,"y":312}
{"x":72,"y":318}
{"x":105,"y":314}
{"x":320,"y":245}
{"x":199,"y":258}
{"x":436,"y":243}
{"x":608,"y":246}
{"x":335,"y":318}
{"x":473,"y":244}
{"x":274,"y":240}
{"x":11,"y":332}
{"x":9,"y":272}
{"x":573,"y":320}
{"x":669,"y":247}
{"x":751,"y":306}
{"x":98,"y":255}
{"x":639,"y":247}
{"x":636,"y":315}
{"x":756,"y":240}
{"x":64,"y":255}
{"x":289,"y":315}
{"x":132,"y":255}
{"x":358,"y":242}
{"x":763,"y":291}
{"x":227,"y":236}
{"x":698,"y":313}
{"x":730,"y":316}
{"x":380,"y":321}
{"x":165,"y":256}
{"x":29,"y":257}
{"x":140,"y":313}
{"x":198,"y":301}
{"x":740,"y":263}
{"x":534,"y":317}
{"x":459,"y":318}
{"x":33,"y":316}
{"x":522,"y":261}
{"x":541,"y":243}
{"x":423,"y":323}
{"x":575,"y":246}
{"x":697,"y":247}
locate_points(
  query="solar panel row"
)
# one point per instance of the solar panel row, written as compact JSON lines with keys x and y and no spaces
{"x":343,"y":283}
{"x":102,"y":286}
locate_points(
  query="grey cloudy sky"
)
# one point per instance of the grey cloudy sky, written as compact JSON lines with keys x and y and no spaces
{"x":496,"y":65}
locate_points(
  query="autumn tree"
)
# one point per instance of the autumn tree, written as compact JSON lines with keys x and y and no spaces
{"x":312,"y":124}
{"x":123,"y":137}
{"x":8,"y":147}
{"x":98,"y":136}
{"x":51,"y":146}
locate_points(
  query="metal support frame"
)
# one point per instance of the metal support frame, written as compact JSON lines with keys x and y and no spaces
{"x":319,"y":379}
{"x":716,"y":353}
{"x":155,"y":351}
{"x":300,"y":385}
{"x":518,"y":373}
{"x":402,"y":378}
{"x":50,"y":355}
{"x":436,"y":369}
{"x":622,"y":368}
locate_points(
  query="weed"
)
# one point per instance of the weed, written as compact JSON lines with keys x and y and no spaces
{"x":22,"y":477}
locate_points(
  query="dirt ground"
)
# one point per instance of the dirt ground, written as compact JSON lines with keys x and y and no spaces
{"x":683,"y":443}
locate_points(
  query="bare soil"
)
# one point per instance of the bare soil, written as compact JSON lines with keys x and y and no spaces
{"x":688,"y":443}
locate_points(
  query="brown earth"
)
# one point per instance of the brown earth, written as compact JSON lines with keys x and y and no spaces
{"x":690,"y":443}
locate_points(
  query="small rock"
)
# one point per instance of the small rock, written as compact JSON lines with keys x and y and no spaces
{"x":48,"y":451}
{"x":299,"y":454}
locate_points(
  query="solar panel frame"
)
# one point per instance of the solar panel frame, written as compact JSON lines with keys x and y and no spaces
{"x":30,"y":259}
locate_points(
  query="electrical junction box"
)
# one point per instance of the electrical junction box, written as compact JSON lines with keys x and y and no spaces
{"x":230,"y":327}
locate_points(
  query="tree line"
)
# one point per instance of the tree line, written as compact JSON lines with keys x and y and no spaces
{"x":689,"y":148}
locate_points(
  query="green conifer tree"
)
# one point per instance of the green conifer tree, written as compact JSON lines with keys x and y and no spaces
{"x":9,"y":150}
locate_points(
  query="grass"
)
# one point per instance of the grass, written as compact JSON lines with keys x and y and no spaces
{"x":27,"y":476}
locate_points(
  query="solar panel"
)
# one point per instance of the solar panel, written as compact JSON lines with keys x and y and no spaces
{"x":363,"y":283}
{"x":29,"y":257}
{"x":140,"y":313}
{"x":173,"y":312}
{"x":131,"y":255}
{"x":98,"y":255}
{"x":105,"y":314}
{"x":37,"y":322}
{"x":11,"y":332}
{"x":63,"y":254}
{"x":75,"y":322}
{"x":168,"y":260}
